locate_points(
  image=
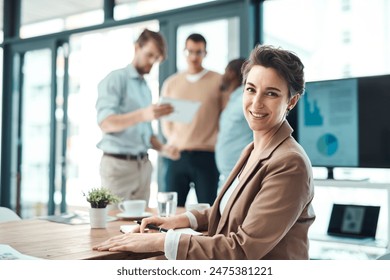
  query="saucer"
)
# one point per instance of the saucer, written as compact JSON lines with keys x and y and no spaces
{"x":130,"y":216}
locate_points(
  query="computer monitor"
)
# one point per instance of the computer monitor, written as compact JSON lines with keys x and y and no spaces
{"x":345,"y":122}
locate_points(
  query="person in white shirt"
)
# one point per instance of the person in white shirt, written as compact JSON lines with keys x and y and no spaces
{"x":195,"y":140}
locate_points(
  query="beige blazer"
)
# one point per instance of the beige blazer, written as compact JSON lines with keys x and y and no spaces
{"x":269,"y":213}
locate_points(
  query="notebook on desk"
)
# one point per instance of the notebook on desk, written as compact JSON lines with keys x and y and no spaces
{"x":353,"y":221}
{"x":74,"y":218}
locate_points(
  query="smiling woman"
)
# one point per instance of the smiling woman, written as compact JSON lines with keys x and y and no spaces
{"x":272,"y":181}
{"x":270,"y":92}
{"x":263,"y":99}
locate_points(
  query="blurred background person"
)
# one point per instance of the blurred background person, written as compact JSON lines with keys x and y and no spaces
{"x":124,"y":114}
{"x":195,"y":140}
{"x":234,"y":132}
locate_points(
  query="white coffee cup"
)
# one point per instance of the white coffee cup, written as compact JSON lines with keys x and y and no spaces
{"x":197,"y":206}
{"x":132,"y":207}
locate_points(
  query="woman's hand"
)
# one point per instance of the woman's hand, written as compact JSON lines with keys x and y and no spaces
{"x":134,"y":242}
{"x":178,"y":221}
{"x":139,"y":240}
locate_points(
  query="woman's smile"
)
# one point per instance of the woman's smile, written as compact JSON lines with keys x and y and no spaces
{"x":258,"y":115}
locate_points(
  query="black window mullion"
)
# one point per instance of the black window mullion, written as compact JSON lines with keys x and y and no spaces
{"x":109,"y":10}
{"x":64,"y":127}
{"x":53,"y":131}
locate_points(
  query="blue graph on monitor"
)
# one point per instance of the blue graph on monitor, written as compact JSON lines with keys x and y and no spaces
{"x":313,"y":115}
{"x":327,"y":144}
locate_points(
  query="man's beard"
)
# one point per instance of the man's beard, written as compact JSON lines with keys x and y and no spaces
{"x":143,"y":70}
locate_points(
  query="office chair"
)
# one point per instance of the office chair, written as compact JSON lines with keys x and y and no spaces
{"x":7,"y":214}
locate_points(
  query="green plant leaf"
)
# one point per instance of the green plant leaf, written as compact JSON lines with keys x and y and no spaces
{"x":101,"y":197}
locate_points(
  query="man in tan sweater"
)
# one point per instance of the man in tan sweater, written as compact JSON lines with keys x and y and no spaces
{"x":195,"y":140}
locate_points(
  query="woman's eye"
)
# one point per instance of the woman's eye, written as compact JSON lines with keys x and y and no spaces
{"x":271,"y":93}
{"x":249,"y":89}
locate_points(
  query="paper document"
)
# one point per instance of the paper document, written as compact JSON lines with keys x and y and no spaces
{"x":75,"y":218}
{"x":9,"y":253}
{"x":183,"y":110}
{"x":127,"y":228}
{"x":130,"y":228}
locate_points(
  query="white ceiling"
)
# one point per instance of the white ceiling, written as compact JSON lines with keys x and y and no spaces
{"x":39,"y":10}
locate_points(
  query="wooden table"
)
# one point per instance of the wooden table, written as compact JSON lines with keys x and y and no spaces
{"x":57,"y":241}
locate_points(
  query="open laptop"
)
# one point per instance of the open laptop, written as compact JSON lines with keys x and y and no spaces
{"x":356,"y":221}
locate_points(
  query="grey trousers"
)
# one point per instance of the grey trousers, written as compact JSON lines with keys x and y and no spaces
{"x":128,"y":179}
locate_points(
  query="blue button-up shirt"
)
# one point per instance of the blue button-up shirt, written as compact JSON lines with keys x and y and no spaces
{"x":234,"y":134}
{"x":120,"y":92}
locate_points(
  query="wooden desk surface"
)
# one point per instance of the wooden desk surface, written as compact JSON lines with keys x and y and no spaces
{"x":57,"y":241}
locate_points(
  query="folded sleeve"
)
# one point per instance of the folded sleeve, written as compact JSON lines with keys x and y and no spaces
{"x":109,"y":97}
{"x":193,"y":222}
{"x":171,"y":244}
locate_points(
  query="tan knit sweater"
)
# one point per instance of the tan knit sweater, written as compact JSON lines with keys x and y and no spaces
{"x":201,"y":133}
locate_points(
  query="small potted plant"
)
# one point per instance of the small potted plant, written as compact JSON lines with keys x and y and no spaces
{"x":99,"y":198}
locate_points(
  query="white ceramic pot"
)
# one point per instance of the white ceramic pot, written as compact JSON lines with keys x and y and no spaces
{"x":98,"y":217}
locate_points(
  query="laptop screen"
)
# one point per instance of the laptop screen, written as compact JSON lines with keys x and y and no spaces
{"x":358,"y":221}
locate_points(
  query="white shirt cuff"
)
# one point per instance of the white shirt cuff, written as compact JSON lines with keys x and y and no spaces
{"x":171,"y":244}
{"x":193,"y":222}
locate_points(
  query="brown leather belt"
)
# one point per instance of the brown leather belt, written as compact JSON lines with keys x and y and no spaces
{"x":128,"y":157}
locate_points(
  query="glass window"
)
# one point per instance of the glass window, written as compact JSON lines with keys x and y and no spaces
{"x":41,"y":17}
{"x":133,"y":8}
{"x":333,"y":38}
{"x":92,"y":56}
{"x":35,"y":131}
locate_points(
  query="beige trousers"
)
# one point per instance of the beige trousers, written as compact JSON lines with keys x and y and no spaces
{"x":128,"y":179}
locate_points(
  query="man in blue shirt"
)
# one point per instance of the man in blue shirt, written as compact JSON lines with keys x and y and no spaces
{"x":234,"y":133}
{"x":124,"y":114}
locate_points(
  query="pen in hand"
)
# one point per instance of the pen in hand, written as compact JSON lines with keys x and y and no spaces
{"x":151,"y":226}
